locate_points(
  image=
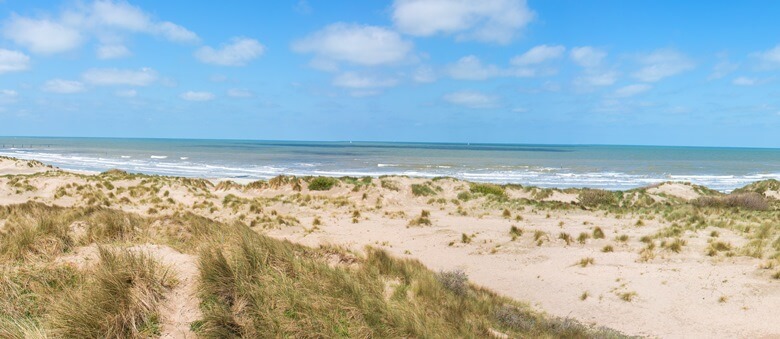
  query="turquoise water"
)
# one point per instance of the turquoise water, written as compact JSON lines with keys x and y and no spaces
{"x":609,"y":167}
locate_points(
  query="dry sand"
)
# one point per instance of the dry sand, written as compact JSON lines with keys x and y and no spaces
{"x":672,"y":295}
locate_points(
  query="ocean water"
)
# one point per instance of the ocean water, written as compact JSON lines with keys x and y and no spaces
{"x":607,"y":167}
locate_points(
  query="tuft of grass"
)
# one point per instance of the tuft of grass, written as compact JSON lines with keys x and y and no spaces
{"x":675,"y":246}
{"x":583,"y":237}
{"x":565,"y":237}
{"x":464,"y":238}
{"x":506,"y":214}
{"x":717,"y":246}
{"x":584,"y":295}
{"x":421,"y":190}
{"x":585,"y":262}
{"x":608,"y":249}
{"x":120,"y":300}
{"x":488,"y":190}
{"x":515,"y":232}
{"x":627,"y":296}
{"x":598,"y":233}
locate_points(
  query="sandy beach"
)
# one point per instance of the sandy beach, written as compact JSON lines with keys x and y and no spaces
{"x":653,"y":262}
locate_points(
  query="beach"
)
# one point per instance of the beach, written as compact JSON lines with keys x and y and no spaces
{"x":669,"y":260}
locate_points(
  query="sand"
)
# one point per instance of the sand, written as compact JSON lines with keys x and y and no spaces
{"x":672,"y":295}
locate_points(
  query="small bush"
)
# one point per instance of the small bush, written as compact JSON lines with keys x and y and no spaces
{"x":488,"y":189}
{"x":594,"y":198}
{"x":420,"y":190}
{"x":748,"y":201}
{"x":455,"y":281}
{"x":322,"y":183}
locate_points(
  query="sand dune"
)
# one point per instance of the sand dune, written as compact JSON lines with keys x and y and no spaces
{"x":649,"y":262}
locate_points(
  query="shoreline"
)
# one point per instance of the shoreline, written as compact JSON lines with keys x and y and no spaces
{"x":671,"y":260}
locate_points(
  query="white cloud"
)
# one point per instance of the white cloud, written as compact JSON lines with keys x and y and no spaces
{"x":485,"y":20}
{"x":587,"y":56}
{"x":197,"y":96}
{"x":661,"y":64}
{"x":538,"y":55}
{"x":723,"y":67}
{"x":597,"y":78}
{"x":42,"y":36}
{"x":424,"y":74}
{"x":8,"y":96}
{"x":359,"y":44}
{"x":356,"y":81}
{"x":101,"y":19}
{"x":769,"y":58}
{"x":112,"y":51}
{"x":128,"y":93}
{"x":240,"y":93}
{"x":236,"y":53}
{"x":471,"y":68}
{"x":63,"y":86}
{"x":175,"y":33}
{"x":113,"y":76}
{"x":13,"y":61}
{"x":121,"y":15}
{"x":744,"y":81}
{"x":631,"y":90}
{"x":471,"y":99}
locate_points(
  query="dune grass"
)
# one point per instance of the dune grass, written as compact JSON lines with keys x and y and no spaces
{"x":250,"y":285}
{"x":120,"y":299}
{"x":256,"y":285}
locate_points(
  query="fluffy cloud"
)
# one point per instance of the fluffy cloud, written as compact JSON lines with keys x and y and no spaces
{"x":471,"y":68}
{"x":471,"y":99}
{"x":662,"y":64}
{"x":113,"y":76}
{"x":236,"y":53}
{"x":587,"y":56}
{"x":591,"y":59}
{"x":197,"y":96}
{"x":100,"y":19}
{"x":356,"y":81}
{"x":13,"y":61}
{"x":538,"y":55}
{"x":63,"y":86}
{"x":42,"y":36}
{"x":358,"y":44}
{"x":486,"y":20}
{"x":631,"y":90}
{"x":112,"y":51}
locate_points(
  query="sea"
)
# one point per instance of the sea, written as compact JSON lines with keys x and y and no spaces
{"x":562,"y":166}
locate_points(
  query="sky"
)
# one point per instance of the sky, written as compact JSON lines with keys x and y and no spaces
{"x":495,"y":71}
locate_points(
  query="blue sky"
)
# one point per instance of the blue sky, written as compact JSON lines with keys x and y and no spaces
{"x":508,"y":71}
